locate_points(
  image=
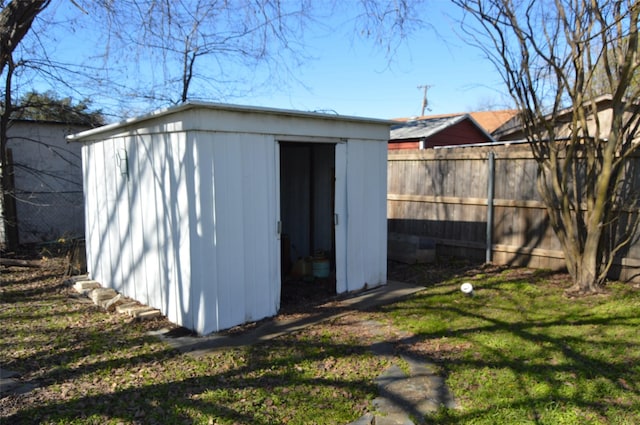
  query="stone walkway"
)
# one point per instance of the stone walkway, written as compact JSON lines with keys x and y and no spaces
{"x":407,"y":393}
{"x":10,"y":383}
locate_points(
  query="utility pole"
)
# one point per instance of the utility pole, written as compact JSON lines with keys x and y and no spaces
{"x":425,"y":102}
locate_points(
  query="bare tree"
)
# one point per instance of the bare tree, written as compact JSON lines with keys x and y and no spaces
{"x":204,"y":49}
{"x":16,"y":19}
{"x":156,"y":52}
{"x":546,"y":52}
{"x":219,"y":49}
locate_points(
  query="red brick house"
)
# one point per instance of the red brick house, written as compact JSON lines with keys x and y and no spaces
{"x":442,"y":130}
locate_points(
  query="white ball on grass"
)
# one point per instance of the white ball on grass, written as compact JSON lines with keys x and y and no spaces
{"x":466,"y":288}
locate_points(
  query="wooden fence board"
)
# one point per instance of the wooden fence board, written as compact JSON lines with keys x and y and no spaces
{"x":442,"y":194}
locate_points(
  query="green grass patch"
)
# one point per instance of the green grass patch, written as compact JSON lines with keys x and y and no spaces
{"x":95,"y":367}
{"x":521,"y":351}
{"x":518,"y":352}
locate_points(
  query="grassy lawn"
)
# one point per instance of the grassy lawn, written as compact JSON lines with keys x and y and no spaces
{"x":95,"y":367}
{"x":517,"y":352}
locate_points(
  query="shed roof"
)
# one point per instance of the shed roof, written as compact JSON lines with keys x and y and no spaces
{"x":132,"y":122}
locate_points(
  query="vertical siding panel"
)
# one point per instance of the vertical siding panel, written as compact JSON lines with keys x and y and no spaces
{"x":163,"y":216}
{"x":199,"y":188}
{"x":127,"y":219}
{"x":229,"y":229}
{"x":105,"y":218}
{"x":175,"y":205}
{"x":136,"y":223}
{"x":183,"y":170}
{"x":356,"y":214}
{"x":258,"y":234}
{"x":148,"y":277}
{"x":92,"y":218}
{"x":111,"y":226}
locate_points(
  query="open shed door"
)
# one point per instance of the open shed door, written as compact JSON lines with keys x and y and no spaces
{"x":360,"y":215}
{"x":340,"y":217}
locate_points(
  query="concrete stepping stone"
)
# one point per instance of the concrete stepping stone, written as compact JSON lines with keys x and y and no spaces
{"x":147,"y":315}
{"x":100,"y":294}
{"x":127,"y":307}
{"x":82,"y":286}
{"x":10,"y":383}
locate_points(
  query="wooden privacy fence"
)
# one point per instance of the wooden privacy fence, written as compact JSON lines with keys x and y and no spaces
{"x":448,"y":196}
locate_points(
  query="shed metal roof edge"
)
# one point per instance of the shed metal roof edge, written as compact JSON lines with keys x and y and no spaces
{"x":223,"y":107}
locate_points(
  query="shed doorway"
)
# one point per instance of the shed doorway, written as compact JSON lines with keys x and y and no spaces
{"x":307,"y":200}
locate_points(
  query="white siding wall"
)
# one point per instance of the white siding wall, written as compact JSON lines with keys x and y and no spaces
{"x":192,"y":230}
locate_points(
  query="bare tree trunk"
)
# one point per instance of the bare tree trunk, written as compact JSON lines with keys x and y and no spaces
{"x":6,"y":170}
{"x":15,"y":21}
{"x":549,"y":54}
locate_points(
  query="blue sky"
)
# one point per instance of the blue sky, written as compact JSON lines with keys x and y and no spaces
{"x":352,"y":76}
{"x":347,"y":74}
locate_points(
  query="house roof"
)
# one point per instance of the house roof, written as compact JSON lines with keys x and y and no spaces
{"x":488,"y":120}
{"x":425,"y":127}
{"x":514,"y":124}
{"x":492,"y":120}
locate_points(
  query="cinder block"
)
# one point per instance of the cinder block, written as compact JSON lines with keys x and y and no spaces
{"x":410,"y":249}
{"x":146,"y":315}
{"x":85,"y":285}
{"x":73,"y":279}
{"x":110,"y":302}
{"x":100,"y":294}
{"x":125,"y":308}
{"x":141,"y":311}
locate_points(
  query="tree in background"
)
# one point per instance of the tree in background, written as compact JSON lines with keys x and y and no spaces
{"x":143,"y":54}
{"x":561,"y":59}
{"x":50,"y":107}
{"x":16,"y":19}
{"x":205,"y":49}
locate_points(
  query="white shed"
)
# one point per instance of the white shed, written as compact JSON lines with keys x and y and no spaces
{"x":186,"y":207}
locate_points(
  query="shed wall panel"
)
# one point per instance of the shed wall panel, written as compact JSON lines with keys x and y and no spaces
{"x":200,"y":191}
{"x":177,"y":172}
{"x":229,"y":231}
{"x":144,"y":198}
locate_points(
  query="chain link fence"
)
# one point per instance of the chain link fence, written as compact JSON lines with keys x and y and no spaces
{"x":49,"y":216}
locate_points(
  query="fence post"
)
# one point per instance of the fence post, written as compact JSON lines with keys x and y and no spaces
{"x":490,"y":184}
